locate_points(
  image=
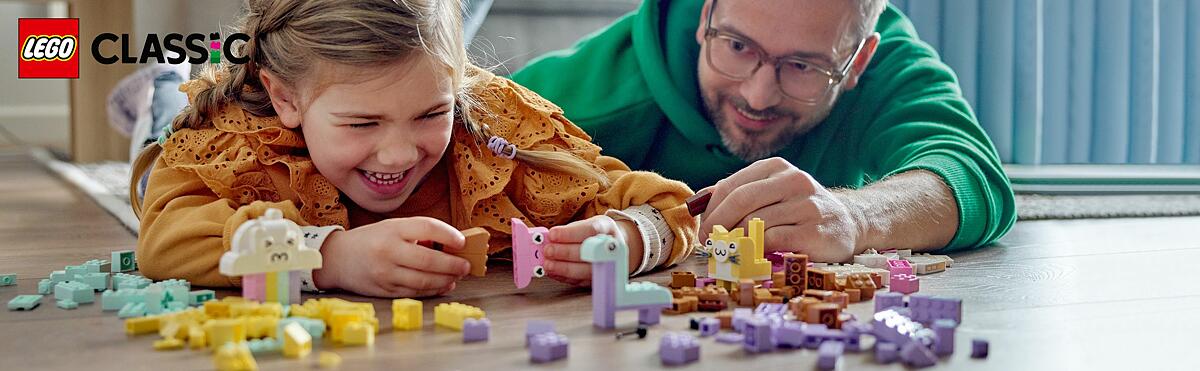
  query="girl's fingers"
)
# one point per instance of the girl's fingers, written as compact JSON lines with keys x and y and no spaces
{"x":563,"y":252}
{"x":415,"y":257}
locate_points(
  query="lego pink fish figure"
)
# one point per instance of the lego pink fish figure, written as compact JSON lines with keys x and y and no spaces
{"x":528,"y":260}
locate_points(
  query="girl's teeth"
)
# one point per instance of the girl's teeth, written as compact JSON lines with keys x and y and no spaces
{"x":383,"y":178}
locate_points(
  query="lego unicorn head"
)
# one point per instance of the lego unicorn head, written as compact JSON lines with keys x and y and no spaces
{"x":269,"y":243}
{"x":734,"y":256}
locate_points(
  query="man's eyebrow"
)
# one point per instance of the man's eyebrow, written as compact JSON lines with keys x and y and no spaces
{"x":802,"y":54}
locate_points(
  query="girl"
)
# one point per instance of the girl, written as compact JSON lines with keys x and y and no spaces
{"x":363,"y":121}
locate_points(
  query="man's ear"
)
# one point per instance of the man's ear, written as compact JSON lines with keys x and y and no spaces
{"x":704,"y":10}
{"x":862,"y":61}
{"x":283,"y":98}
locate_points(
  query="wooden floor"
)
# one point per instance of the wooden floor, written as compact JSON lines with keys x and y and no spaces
{"x":1085,"y":294}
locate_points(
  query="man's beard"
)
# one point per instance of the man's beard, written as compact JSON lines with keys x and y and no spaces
{"x":757,"y":146}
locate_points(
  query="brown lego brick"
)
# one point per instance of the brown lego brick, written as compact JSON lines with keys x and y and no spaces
{"x":821,"y":279}
{"x":795,"y":269}
{"x":682,"y":279}
{"x":683,"y":305}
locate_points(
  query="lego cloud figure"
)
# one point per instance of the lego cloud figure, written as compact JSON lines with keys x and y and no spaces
{"x":268,"y":244}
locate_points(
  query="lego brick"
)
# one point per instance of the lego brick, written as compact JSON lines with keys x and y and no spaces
{"x":260,"y":326}
{"x":678,"y":349}
{"x":74,"y":291}
{"x":197,"y":339}
{"x":886,"y":353}
{"x":142,"y":325}
{"x":168,"y":344}
{"x":821,"y":279}
{"x":198,"y":297}
{"x":476,"y":330}
{"x":926,"y":264}
{"x":475,"y":250}
{"x":451,"y":315}
{"x":547,"y":347}
{"x":898,"y":266}
{"x":406,"y":314}
{"x":770,"y":308}
{"x":683,"y":305}
{"x":99,"y":265}
{"x":871,"y":258}
{"x":823,"y":313}
{"x":756,"y":336}
{"x":885,"y":300}
{"x":738,"y":254}
{"x":854,"y":295}
{"x":537,"y":326}
{"x":73,"y":271}
{"x":315,"y":327}
{"x":130,"y":310}
{"x":130,"y":281}
{"x":842,"y":299}
{"x":297,"y":342}
{"x":267,"y":345}
{"x":740,"y":316}
{"x":340,"y":319}
{"x":25,"y":302}
{"x":698,"y":202}
{"x":726,"y":319}
{"x":224,"y":331}
{"x":789,"y":335}
{"x":234,"y":356}
{"x":160,"y":296}
{"x":745,"y":293}
{"x":709,"y":326}
{"x":329,"y":360}
{"x":527,"y":244}
{"x":97,"y":281}
{"x":67,"y":304}
{"x":45,"y":287}
{"x":682,"y":279}
{"x":905,"y":283}
{"x":8,"y":279}
{"x":705,"y":282}
{"x":729,"y":338}
{"x":358,"y":333}
{"x":863,"y":283}
{"x":123,"y":261}
{"x":917,"y":355}
{"x":829,"y":353}
{"x":894,"y":326}
{"x":611,"y":291}
{"x":927,"y":309}
{"x":943,"y":345}
{"x":979,"y":348}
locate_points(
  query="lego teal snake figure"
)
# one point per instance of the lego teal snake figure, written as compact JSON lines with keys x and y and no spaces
{"x":611,"y":289}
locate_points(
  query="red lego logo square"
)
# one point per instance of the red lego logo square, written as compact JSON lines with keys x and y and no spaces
{"x":48,"y":48}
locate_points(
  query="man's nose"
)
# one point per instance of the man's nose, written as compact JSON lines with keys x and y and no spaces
{"x":761,"y":91}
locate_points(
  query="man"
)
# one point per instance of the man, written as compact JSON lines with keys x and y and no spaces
{"x":828,"y":119}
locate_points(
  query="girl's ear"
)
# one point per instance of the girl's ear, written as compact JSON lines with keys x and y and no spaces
{"x":283,"y":99}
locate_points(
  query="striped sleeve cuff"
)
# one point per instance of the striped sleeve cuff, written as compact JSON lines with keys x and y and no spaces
{"x":656,"y":234}
{"x":314,"y":237}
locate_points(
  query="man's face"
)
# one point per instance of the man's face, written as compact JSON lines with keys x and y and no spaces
{"x":754,"y":117}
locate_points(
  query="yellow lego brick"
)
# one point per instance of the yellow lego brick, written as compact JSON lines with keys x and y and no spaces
{"x":358,"y":333}
{"x":224,"y":331}
{"x":260,"y":326}
{"x":168,"y":344}
{"x":142,"y":325}
{"x":296,"y":341}
{"x":170,"y":329}
{"x":406,"y":314}
{"x":234,"y":357}
{"x":248,"y":308}
{"x":196,"y":337}
{"x":339,"y":319}
{"x":451,"y":315}
{"x":216,"y":309}
{"x":329,"y":360}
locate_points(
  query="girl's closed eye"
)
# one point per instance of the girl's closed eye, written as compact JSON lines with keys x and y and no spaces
{"x":362,"y":125}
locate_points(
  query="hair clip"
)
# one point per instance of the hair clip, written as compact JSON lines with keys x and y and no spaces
{"x":167,"y":131}
{"x":498,"y":146}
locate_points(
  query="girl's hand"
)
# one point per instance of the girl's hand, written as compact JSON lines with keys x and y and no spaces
{"x":384,"y":259}
{"x":562,"y":251}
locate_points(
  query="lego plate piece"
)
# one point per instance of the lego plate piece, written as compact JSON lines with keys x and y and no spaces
{"x":926,"y":264}
{"x":25,"y":302}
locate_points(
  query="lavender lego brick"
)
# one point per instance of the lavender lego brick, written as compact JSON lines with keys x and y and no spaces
{"x":828,"y":354}
{"x":547,"y":347}
{"x":678,"y":349}
{"x":916,"y":355}
{"x":886,"y":353}
{"x":979,"y":348}
{"x":474,"y":330}
{"x":740,"y":316}
{"x":771,"y":308}
{"x":729,"y":338}
{"x":944,"y":344}
{"x":756,"y":336}
{"x":814,"y":335}
{"x":537,"y":326}
{"x":927,"y":309}
{"x":710,"y":326}
{"x":705,"y":281}
{"x":894,"y":326}
{"x":885,"y":300}
{"x":790,"y":335}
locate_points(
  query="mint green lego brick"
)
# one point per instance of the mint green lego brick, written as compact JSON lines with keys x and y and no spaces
{"x":123,"y":261}
{"x":643,"y":293}
{"x":315,"y":327}
{"x":74,"y":271}
{"x":74,"y":291}
{"x":175,"y":283}
{"x":161,"y":295}
{"x":98,"y":265}
{"x":132,"y":310}
{"x":45,"y":286}
{"x":8,"y":279}
{"x":265,"y":345}
{"x":25,"y":302}
{"x":122,"y":281}
{"x":66,"y":304}
{"x":58,"y":276}
{"x":200,"y":296}
{"x":115,"y":300}
{"x":176,"y":306}
{"x":98,"y":281}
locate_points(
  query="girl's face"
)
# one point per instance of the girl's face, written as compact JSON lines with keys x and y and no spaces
{"x":376,"y":138}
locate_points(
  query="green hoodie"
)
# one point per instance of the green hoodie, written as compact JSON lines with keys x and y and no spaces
{"x":633,"y":87}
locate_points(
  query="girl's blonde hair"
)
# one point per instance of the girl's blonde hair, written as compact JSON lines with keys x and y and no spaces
{"x":290,"y":37}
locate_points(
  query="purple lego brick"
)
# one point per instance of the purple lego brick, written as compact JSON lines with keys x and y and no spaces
{"x":537,"y":326}
{"x":926,"y":309}
{"x":979,"y":348}
{"x":886,"y":353}
{"x":476,"y":329}
{"x":894,"y":326}
{"x":729,"y":338}
{"x":885,"y":300}
{"x":710,"y":326}
{"x":814,"y":335}
{"x":546,"y":347}
{"x":771,"y":308}
{"x":828,"y":354}
{"x":916,"y":355}
{"x":678,"y":349}
{"x":790,"y":335}
{"x":905,"y":283}
{"x":740,"y":316}
{"x":756,"y":334}
{"x":705,"y":281}
{"x":944,"y":329}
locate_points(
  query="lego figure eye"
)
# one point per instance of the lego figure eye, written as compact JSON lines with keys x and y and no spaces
{"x":537,"y":237}
{"x":291,"y":241}
{"x":612,"y":246}
{"x":708,"y":243}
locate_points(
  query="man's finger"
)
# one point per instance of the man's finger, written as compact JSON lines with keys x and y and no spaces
{"x":788,"y":212}
{"x":759,"y":170}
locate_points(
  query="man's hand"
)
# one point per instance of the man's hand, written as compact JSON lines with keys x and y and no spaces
{"x":800,"y":214}
{"x":562,"y":251}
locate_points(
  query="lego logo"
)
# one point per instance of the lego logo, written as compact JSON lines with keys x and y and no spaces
{"x":48,"y":48}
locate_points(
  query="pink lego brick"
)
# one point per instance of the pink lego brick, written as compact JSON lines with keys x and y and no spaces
{"x":898,"y":266}
{"x":905,"y":283}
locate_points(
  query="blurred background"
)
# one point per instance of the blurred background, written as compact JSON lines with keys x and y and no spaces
{"x":1079,"y":96}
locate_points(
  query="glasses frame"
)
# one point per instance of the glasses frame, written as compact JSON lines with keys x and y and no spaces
{"x":835,"y":77}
